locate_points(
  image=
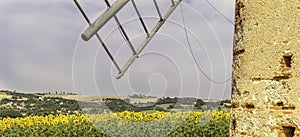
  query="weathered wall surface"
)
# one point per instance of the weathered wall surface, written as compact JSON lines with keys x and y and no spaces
{"x":266,"y":69}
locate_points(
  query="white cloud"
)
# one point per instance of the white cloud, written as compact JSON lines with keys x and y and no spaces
{"x":40,"y":38}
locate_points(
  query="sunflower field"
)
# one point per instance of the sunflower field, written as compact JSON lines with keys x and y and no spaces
{"x":127,"y":124}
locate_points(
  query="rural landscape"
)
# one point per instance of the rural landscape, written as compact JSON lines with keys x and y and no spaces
{"x":69,"y":114}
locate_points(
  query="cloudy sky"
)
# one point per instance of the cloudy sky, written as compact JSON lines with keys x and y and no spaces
{"x":41,"y":49}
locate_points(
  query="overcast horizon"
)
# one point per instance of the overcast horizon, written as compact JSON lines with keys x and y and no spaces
{"x":42,"y":51}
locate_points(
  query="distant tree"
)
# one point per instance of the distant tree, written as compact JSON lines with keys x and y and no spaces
{"x":199,"y":103}
{"x":225,"y":101}
{"x":14,"y":97}
{"x":167,"y":100}
{"x":171,"y":107}
{"x":159,"y":108}
{"x":9,"y":112}
{"x":5,"y":101}
{"x":127,"y":100}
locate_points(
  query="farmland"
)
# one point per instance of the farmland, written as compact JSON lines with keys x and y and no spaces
{"x":24,"y":114}
{"x":209,"y":123}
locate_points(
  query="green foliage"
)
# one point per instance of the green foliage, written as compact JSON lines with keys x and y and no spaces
{"x":199,"y":103}
{"x":61,"y":130}
{"x":167,"y":100}
{"x":9,"y":112}
{"x":30,"y":104}
{"x":170,"y":107}
{"x":225,"y":101}
{"x":213,"y":128}
{"x":119,"y":105}
{"x":214,"y":125}
{"x":158,"y":108}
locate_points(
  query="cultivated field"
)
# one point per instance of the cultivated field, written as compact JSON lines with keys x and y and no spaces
{"x":127,"y":124}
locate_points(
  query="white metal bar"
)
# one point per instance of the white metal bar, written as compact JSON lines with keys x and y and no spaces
{"x":147,"y":40}
{"x":103,"y":19}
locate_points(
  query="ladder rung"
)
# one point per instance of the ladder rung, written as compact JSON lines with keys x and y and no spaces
{"x":147,"y":40}
{"x":98,"y":36}
{"x":122,"y":30}
{"x":157,"y":9}
{"x":140,"y":17}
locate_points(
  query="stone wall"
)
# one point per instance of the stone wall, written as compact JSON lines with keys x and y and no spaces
{"x":266,"y":69}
